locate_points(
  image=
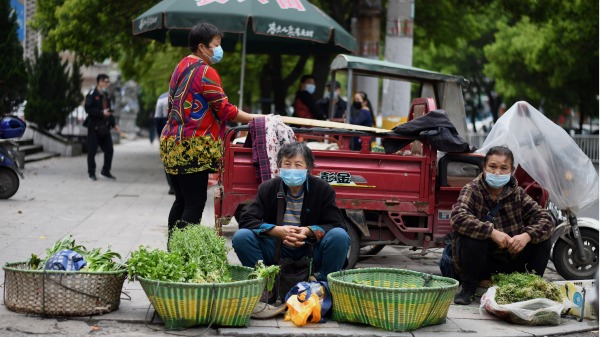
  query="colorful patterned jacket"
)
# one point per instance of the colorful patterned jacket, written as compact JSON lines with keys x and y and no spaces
{"x":191,"y":140}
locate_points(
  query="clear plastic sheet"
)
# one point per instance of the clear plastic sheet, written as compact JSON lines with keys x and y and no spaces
{"x":548,"y":154}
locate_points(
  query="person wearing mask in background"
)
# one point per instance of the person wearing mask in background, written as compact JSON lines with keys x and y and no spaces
{"x":515,"y":239}
{"x":160,"y":119}
{"x":339,"y":105}
{"x":305,"y":105}
{"x":198,"y":109}
{"x":362,"y":114}
{"x":99,"y":121}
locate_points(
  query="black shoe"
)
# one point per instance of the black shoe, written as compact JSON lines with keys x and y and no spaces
{"x":93,"y":177}
{"x":464,"y":297}
{"x":171,"y":191}
{"x":108,"y":175}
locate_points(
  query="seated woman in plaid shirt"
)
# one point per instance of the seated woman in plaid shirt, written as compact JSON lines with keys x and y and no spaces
{"x":516,"y":239}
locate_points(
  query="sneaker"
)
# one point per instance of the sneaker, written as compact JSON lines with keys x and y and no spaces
{"x":93,"y":177}
{"x":464,"y":297}
{"x":107,"y":175}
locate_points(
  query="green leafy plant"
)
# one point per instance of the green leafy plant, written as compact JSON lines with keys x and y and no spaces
{"x":517,"y":287}
{"x":262,"y":271}
{"x":203,"y":246}
{"x":155,"y":264}
{"x":96,"y":260}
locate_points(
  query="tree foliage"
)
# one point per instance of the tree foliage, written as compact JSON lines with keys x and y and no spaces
{"x":52,"y":93}
{"x":549,"y":54}
{"x":13,"y":78}
{"x":543,"y":51}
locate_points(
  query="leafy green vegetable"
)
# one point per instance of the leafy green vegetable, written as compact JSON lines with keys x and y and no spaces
{"x":262,"y":271}
{"x":203,"y":246}
{"x":159,"y":265}
{"x":96,"y":261}
{"x":517,"y":287}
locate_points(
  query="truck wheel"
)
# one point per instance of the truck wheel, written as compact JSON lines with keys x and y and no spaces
{"x":568,"y":263}
{"x":354,"y":251}
{"x":368,"y":251}
{"x":9,"y":183}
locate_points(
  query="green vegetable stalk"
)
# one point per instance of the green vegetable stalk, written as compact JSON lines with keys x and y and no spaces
{"x":517,"y":287}
{"x":262,"y":271}
{"x":203,"y":246}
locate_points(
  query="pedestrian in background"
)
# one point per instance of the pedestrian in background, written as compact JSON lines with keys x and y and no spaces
{"x":362,"y":114}
{"x":160,"y":119}
{"x":99,"y":121}
{"x":190,"y":143}
{"x":339,"y":105}
{"x":305,"y":105}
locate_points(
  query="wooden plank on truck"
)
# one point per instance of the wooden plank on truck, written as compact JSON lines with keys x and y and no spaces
{"x":328,"y":124}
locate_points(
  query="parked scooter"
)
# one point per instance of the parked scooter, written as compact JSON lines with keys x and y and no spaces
{"x":11,"y":128}
{"x":575,"y":245}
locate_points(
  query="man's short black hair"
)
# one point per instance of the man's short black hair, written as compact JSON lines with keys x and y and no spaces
{"x":500,"y":151}
{"x":101,"y":77}
{"x":202,"y":33}
{"x":306,"y":77}
{"x":290,"y":150}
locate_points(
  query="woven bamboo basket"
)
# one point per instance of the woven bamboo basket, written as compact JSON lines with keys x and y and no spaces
{"x":392,"y":299}
{"x":61,"y":293}
{"x":182,"y":305}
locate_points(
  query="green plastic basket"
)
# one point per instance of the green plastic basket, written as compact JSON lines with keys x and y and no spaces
{"x":392,"y":299}
{"x":182,"y":305}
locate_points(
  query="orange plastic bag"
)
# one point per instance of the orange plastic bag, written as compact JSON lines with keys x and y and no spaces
{"x":300,"y":309}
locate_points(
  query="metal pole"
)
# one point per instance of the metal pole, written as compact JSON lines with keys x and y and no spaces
{"x":241,"y":104}
{"x":350,"y":96}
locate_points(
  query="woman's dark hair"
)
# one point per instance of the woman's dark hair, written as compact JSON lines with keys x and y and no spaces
{"x":291,"y":150}
{"x":202,"y":33}
{"x":366,"y":99}
{"x":500,"y":151}
{"x":304,"y":78}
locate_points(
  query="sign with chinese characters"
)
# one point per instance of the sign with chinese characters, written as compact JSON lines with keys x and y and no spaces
{"x":343,"y":179}
{"x":289,"y":30}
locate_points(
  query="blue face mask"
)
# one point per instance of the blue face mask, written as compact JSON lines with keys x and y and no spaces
{"x":293,"y":177}
{"x":310,"y":88}
{"x":497,"y":180}
{"x":217,"y":55}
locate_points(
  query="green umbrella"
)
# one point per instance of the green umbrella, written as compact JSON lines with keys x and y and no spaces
{"x":263,"y":26}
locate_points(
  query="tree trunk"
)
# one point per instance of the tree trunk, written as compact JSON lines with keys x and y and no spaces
{"x":367,"y":33}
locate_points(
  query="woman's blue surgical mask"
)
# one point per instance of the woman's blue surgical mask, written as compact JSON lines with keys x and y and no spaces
{"x":497,"y":180}
{"x":310,"y":88}
{"x":217,"y":55}
{"x":293,"y":177}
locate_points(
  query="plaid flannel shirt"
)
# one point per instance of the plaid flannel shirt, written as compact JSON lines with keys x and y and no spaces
{"x":519,"y":214}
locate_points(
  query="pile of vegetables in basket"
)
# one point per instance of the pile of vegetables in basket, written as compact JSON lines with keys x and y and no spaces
{"x":94,"y":260}
{"x":197,"y":254}
{"x":524,"y":298}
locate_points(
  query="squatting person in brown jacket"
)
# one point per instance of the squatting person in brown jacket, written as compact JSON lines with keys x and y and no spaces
{"x":516,"y":239}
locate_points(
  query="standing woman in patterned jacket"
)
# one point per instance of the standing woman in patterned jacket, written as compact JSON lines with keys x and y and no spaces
{"x":190,"y":143}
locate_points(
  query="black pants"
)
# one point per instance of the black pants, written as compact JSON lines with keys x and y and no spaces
{"x":106,"y":145}
{"x":479,"y":259}
{"x":190,"y":198}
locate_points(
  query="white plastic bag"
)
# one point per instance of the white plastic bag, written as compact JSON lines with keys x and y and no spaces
{"x":548,"y":154}
{"x":539,"y":311}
